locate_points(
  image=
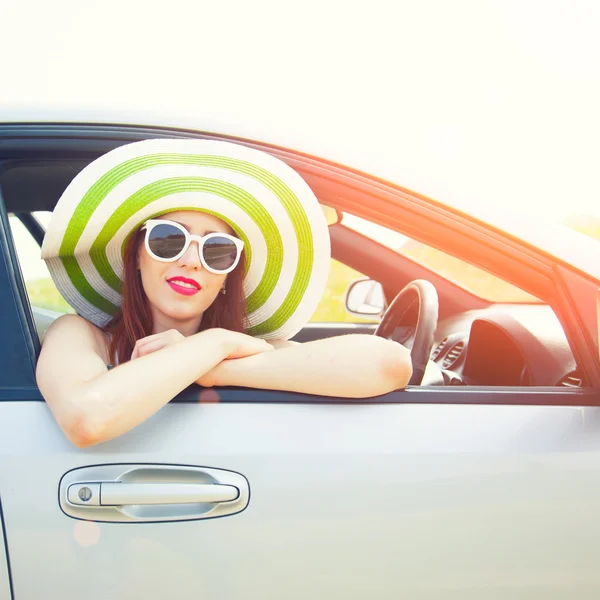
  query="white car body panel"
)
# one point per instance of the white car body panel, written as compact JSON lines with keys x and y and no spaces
{"x":347,"y":501}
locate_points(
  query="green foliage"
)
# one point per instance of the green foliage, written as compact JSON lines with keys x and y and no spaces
{"x":43,"y":293}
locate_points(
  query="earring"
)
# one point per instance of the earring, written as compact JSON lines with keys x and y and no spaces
{"x":223,"y":290}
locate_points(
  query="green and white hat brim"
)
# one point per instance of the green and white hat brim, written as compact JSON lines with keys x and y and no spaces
{"x":267,"y":204}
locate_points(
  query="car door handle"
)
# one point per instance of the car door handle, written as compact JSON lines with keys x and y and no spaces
{"x":151,"y":493}
{"x":116,"y":493}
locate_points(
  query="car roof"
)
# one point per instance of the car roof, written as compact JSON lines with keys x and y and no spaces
{"x":553,"y":238}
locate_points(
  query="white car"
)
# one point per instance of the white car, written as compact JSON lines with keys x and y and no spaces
{"x":480,"y":480}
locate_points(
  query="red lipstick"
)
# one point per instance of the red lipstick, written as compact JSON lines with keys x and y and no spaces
{"x":184,"y":290}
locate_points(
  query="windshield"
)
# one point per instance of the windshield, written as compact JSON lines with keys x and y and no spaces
{"x":475,"y":280}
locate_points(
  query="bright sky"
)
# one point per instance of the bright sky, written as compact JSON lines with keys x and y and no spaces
{"x":471,"y":103}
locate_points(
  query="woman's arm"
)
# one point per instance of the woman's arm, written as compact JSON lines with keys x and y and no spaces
{"x":349,"y":366}
{"x":92,"y":404}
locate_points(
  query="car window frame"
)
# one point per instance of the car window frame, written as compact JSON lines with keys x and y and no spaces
{"x":17,"y":319}
{"x":338,"y":186}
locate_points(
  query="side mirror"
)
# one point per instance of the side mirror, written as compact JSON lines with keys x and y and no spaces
{"x":365,"y":297}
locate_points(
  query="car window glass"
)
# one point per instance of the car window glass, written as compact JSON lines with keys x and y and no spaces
{"x":471,"y":278}
{"x":332,"y":308}
{"x":40,"y":288}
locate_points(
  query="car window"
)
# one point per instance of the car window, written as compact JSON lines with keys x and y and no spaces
{"x":480,"y":283}
{"x":332,"y":308}
{"x":40,"y":288}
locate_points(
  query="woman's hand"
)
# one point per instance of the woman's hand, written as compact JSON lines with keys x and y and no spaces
{"x":240,"y":345}
{"x":235,"y":345}
{"x":155,"y":342}
{"x":232,"y":344}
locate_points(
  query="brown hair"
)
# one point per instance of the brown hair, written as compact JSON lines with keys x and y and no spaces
{"x":133,"y":321}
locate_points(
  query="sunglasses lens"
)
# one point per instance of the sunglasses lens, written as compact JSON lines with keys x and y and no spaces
{"x":220,"y":253}
{"x":166,"y":241}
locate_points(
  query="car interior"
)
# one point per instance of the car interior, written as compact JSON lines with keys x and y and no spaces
{"x":469,"y":341}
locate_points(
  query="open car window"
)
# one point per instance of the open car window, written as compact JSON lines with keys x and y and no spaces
{"x":475,"y":348}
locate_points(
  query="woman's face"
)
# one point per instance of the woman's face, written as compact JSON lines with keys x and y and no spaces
{"x":170,"y":303}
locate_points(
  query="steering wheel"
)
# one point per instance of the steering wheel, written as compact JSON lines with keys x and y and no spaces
{"x":418,"y":337}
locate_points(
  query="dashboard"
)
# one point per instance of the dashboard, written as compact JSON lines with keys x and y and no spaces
{"x":505,"y":345}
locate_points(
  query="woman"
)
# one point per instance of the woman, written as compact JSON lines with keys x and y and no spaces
{"x":182,"y":258}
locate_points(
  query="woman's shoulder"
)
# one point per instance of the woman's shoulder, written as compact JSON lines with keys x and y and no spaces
{"x":72,"y":322}
{"x":73,"y":328}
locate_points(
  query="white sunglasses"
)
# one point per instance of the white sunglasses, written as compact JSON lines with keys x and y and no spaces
{"x":168,"y":241}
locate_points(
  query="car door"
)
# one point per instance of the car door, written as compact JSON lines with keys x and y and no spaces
{"x":5,"y":583}
{"x":476,"y":493}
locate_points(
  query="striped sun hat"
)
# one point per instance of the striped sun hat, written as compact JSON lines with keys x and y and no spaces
{"x":268,"y":205}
